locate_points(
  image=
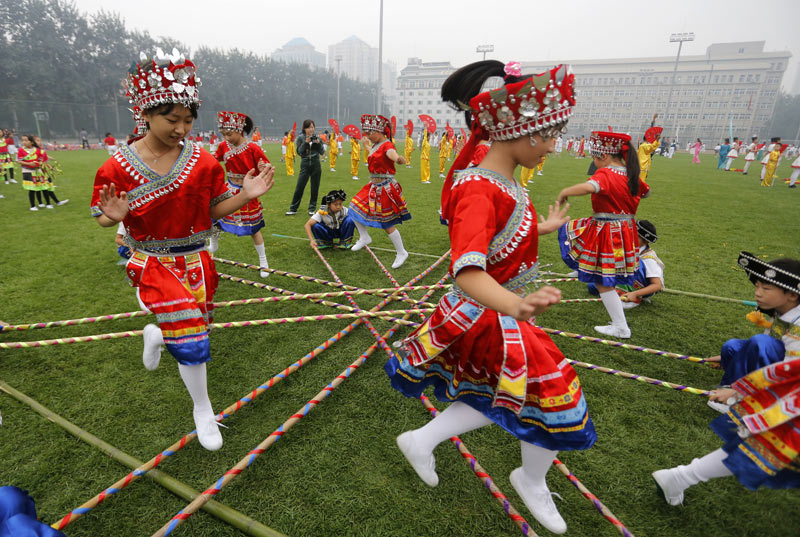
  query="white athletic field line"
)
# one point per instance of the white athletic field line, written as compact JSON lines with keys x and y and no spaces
{"x":373,"y":247}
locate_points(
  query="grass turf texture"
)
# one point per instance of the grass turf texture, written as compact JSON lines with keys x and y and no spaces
{"x":338,"y":471}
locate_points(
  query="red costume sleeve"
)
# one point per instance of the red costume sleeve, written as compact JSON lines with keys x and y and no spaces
{"x":472,"y":226}
{"x":220,"y":152}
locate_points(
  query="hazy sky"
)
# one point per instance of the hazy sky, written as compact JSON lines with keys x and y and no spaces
{"x":441,"y":30}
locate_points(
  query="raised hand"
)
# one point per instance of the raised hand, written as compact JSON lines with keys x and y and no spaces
{"x":256,"y":185}
{"x":113,"y":206}
{"x":556,"y":217}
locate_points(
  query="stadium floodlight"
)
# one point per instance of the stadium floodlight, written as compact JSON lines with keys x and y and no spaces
{"x":484,"y":49}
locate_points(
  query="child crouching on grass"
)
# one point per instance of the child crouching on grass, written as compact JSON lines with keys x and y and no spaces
{"x":761,"y":433}
{"x":777,"y":291}
{"x":331,"y":221}
{"x":649,"y":277}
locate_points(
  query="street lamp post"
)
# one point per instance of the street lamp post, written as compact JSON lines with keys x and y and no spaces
{"x":380,"y":62}
{"x":484,"y":49}
{"x":338,"y":80}
{"x":676,"y":38}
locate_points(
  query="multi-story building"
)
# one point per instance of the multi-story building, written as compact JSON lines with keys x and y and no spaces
{"x":299,"y":50}
{"x":733,"y":86}
{"x":355,"y":59}
{"x":419,"y":92}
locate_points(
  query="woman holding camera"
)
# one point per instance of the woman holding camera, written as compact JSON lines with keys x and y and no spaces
{"x":309,"y":148}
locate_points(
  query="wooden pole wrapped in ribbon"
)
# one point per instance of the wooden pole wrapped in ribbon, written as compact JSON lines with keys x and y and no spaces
{"x":142,"y":469}
{"x":481,"y":474}
{"x":605,"y":511}
{"x":192,"y":508}
{"x":226,"y":514}
{"x":640,"y":378}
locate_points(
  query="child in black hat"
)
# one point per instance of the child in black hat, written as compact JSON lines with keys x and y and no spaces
{"x":331,"y":221}
{"x":777,"y":292}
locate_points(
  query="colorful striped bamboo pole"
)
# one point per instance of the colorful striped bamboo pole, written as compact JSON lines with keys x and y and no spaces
{"x":576,"y":300}
{"x":389,"y":275}
{"x":381,"y":342}
{"x":481,"y":473}
{"x":356,"y":290}
{"x":556,"y":280}
{"x":605,"y":511}
{"x":711,"y":297}
{"x":74,"y":322}
{"x":143,"y":469}
{"x":640,"y":378}
{"x":226,"y":304}
{"x":610,"y":343}
{"x":68,"y":340}
{"x":198,"y":502}
{"x":178,"y":488}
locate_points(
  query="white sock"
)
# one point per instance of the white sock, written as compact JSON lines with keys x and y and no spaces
{"x":728,"y":164}
{"x":362,"y":230}
{"x":793,"y":178}
{"x":456,"y":419}
{"x":194,"y":377}
{"x":262,"y":255}
{"x":613,"y":304}
{"x":536,"y":460}
{"x":397,"y":240}
{"x":763,"y":172}
{"x":746,"y":166}
{"x":705,"y":468}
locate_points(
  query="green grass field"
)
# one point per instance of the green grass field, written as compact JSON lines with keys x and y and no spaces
{"x":338,"y":471}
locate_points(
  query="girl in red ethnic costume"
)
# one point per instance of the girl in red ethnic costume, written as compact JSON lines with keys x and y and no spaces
{"x":167,"y":191}
{"x":241,"y":156}
{"x":380,"y":203}
{"x":603,"y":248}
{"x":480,"y":347}
{"x":50,"y":198}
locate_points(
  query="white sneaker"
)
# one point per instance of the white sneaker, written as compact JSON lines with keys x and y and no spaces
{"x":355,"y":178}
{"x":539,"y":173}
{"x":333,"y":170}
{"x":49,"y":206}
{"x":426,"y":182}
{"x":400,"y":259}
{"x":441,"y":175}
{"x":669,"y":482}
{"x":13,"y":181}
{"x":62,"y":202}
{"x":41,"y":205}
{"x":614,"y":331}
{"x":290,"y":213}
{"x":539,"y":502}
{"x":264,"y":273}
{"x":361,"y":242}
{"x":34,"y":208}
{"x":629,"y":305}
{"x":573,"y":274}
{"x":722,"y":408}
{"x":153,"y":345}
{"x":207,"y":430}
{"x":424,"y":465}
{"x":2,"y":196}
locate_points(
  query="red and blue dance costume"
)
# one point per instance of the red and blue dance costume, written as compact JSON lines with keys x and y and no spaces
{"x":508,"y":370}
{"x":238,"y":161}
{"x":762,"y":431}
{"x":167,"y":223}
{"x":603,"y":248}
{"x":380,"y":203}
{"x":780,"y":340}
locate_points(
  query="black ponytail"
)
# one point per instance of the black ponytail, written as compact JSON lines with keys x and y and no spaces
{"x":632,"y":169}
{"x":248,"y":125}
{"x":466,"y":83}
